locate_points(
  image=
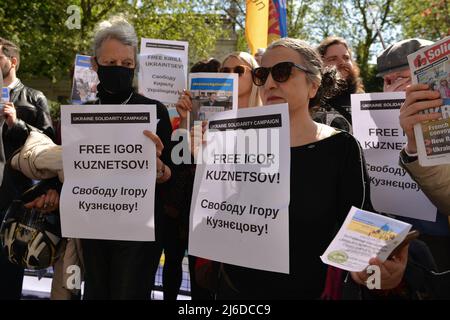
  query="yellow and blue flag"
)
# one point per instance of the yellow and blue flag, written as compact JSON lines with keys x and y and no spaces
{"x":277,"y":20}
{"x":266,"y":21}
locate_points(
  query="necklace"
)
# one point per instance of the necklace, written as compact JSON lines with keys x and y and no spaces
{"x":125,"y":102}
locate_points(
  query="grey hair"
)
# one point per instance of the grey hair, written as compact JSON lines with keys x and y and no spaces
{"x":311,"y":59}
{"x":117,"y":28}
{"x":329,"y":83}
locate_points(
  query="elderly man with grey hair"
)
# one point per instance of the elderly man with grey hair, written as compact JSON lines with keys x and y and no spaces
{"x":393,"y":65}
{"x":394,"y":69}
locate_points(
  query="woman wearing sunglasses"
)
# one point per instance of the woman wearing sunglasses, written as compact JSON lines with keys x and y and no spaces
{"x":328,"y":176}
{"x":241,"y":63}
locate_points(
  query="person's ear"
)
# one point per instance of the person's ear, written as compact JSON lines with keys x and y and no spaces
{"x":94,"y":64}
{"x":14,"y":62}
{"x":313,"y":90}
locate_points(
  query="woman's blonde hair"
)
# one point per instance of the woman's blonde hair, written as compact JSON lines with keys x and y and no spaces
{"x":248,"y":59}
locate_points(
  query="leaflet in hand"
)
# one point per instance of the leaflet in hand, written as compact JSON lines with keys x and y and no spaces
{"x":364,"y":235}
{"x":211,"y":93}
{"x":431,"y":65}
{"x":5,"y":95}
{"x":85,"y":81}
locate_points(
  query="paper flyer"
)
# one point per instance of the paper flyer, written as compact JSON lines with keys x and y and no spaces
{"x":212,"y":93}
{"x":364,"y":235}
{"x":163,"y":68}
{"x":85,"y":80}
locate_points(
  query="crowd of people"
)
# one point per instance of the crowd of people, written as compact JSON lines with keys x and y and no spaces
{"x":328,"y":176}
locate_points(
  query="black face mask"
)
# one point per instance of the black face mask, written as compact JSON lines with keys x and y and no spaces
{"x":116,"y":79}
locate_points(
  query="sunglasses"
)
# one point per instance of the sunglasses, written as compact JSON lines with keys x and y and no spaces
{"x":280,"y":72}
{"x":238,"y":69}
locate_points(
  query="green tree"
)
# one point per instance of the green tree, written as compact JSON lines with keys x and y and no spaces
{"x":49,"y":46}
{"x":297,"y":13}
{"x":429,"y":19}
{"x":193,"y":21}
{"x":362,"y":23}
{"x":326,"y":18}
{"x":354,"y":20}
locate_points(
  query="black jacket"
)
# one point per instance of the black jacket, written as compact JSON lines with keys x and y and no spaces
{"x":32,"y":111}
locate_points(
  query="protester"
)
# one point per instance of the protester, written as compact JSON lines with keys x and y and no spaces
{"x":434,"y":181}
{"x":328,"y":176}
{"x":248,"y":96}
{"x":393,"y":67}
{"x":125,"y":269}
{"x":335,"y":52}
{"x":27,"y":108}
{"x":243,"y":63}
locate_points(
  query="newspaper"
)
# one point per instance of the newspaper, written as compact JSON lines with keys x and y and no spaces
{"x":431,"y":65}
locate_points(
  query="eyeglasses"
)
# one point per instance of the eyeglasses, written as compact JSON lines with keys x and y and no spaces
{"x":280,"y":72}
{"x":238,"y":69}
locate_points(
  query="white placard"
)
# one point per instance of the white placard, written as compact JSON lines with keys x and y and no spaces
{"x":163,"y":66}
{"x":109,"y":172}
{"x":240,"y":203}
{"x":376,"y":126}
